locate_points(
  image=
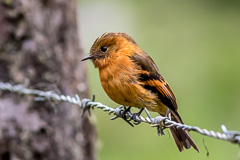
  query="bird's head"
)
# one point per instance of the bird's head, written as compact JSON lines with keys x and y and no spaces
{"x":110,"y":46}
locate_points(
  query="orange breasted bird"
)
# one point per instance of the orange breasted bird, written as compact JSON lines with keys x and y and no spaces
{"x":131,"y":78}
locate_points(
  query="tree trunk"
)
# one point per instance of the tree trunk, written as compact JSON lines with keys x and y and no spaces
{"x":39,"y":46}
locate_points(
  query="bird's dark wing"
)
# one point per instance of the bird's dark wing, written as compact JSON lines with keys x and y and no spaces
{"x":152,"y":80}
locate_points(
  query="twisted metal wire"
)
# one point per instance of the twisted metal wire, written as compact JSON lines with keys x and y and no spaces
{"x":87,"y":105}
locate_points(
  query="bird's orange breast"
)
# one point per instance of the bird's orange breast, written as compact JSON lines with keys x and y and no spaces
{"x":120,"y":82}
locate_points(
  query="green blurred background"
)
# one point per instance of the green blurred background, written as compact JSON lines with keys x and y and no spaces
{"x":196,"y":45}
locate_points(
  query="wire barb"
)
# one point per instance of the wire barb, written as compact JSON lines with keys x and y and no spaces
{"x":87,"y":104}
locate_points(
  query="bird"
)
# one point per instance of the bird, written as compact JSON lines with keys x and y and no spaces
{"x":130,"y":77}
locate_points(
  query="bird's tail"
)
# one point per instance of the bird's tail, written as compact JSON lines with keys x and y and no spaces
{"x":181,"y":137}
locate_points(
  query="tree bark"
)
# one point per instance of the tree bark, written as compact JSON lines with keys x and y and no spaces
{"x":39,"y":46}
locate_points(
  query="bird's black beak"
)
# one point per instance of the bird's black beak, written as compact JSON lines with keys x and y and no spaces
{"x":87,"y":57}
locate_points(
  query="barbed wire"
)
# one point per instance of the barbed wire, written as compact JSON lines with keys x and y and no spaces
{"x":121,"y":112}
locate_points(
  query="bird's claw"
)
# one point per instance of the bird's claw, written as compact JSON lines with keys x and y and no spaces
{"x":136,"y":123}
{"x":135,"y":117}
{"x":125,"y":117}
{"x":122,"y":113}
{"x":125,"y":112}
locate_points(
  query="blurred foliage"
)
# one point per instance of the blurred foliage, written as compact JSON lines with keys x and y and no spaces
{"x":195,"y":44}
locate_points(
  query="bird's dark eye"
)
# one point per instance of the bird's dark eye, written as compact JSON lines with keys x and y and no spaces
{"x":104,"y":48}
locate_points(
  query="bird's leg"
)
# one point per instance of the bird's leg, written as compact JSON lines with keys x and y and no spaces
{"x":135,"y":117}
